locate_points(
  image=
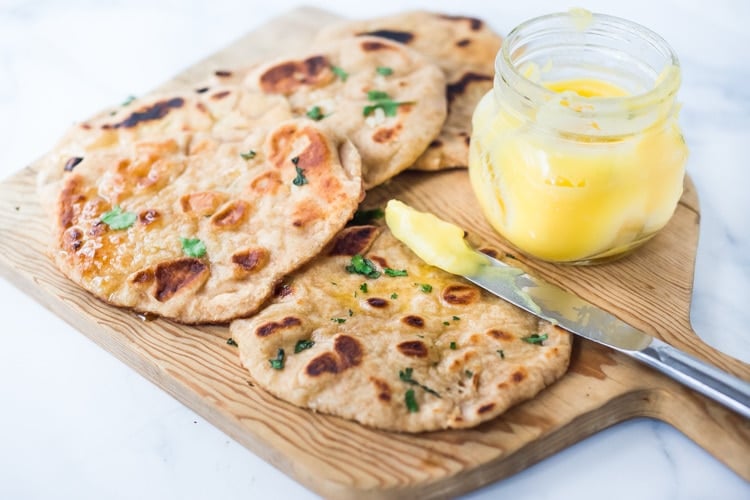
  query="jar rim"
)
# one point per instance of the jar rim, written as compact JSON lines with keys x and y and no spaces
{"x":665,"y":86}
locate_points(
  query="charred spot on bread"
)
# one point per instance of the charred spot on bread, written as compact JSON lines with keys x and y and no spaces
{"x":176,"y":275}
{"x":413,"y":348}
{"x":354,"y":240}
{"x":395,"y":35}
{"x":460,"y":294}
{"x":267,"y":329}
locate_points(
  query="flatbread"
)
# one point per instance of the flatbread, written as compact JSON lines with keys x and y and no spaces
{"x":464,"y":47}
{"x":182,"y":174}
{"x":387,"y":144}
{"x":226,"y":112}
{"x":460,"y":349}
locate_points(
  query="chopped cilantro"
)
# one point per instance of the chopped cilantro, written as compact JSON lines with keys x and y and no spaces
{"x":535,"y":339}
{"x":362,"y":266}
{"x":383,"y":101}
{"x":231,"y":341}
{"x":394,"y":295}
{"x":362,"y":288}
{"x":501,"y":353}
{"x":278,"y":362}
{"x":469,"y":373}
{"x":425,"y":287}
{"x":338,"y":320}
{"x":453,"y":346}
{"x":394,"y":272}
{"x":411,"y":401}
{"x":117,"y":219}
{"x":362,"y":217}
{"x":456,"y":318}
{"x":351,"y":313}
{"x":300,"y":180}
{"x":377,"y":95}
{"x":315,"y":113}
{"x":248,"y":156}
{"x":302,"y":345}
{"x":340,"y":73}
{"x":384,"y":70}
{"x":446,"y":323}
{"x":128,"y":100}
{"x":193,"y":247}
{"x":405,"y":376}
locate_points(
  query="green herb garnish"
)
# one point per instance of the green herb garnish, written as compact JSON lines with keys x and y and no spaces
{"x":383,"y":101}
{"x":231,"y":341}
{"x":362,"y":217}
{"x":501,"y":353}
{"x":394,"y":272}
{"x":278,"y":362}
{"x":446,"y":323}
{"x":425,"y":287}
{"x":411,"y":401}
{"x":300,"y":180}
{"x":535,"y":339}
{"x":128,"y":100}
{"x":453,"y":346}
{"x":315,"y":113}
{"x":469,"y":373}
{"x":405,"y":376}
{"x":302,"y":345}
{"x":363,"y":266}
{"x":248,"y":156}
{"x":340,"y":73}
{"x":377,"y":95}
{"x":362,"y":288}
{"x":338,"y":320}
{"x":351,"y":313}
{"x":117,"y":219}
{"x":394,"y":295}
{"x":456,"y":318}
{"x":384,"y":70}
{"x":193,"y":247}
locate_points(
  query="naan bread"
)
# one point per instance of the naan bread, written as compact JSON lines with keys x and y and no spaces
{"x":460,"y":350}
{"x":335,"y":79}
{"x":224,"y":112}
{"x":464,"y":47}
{"x":262,"y":200}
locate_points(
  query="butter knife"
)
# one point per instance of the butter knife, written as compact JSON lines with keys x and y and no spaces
{"x":586,"y":320}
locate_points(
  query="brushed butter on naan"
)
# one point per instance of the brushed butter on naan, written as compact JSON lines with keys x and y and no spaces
{"x":364,"y":343}
{"x":212,"y":169}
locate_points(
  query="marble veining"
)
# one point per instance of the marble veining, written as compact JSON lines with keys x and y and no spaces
{"x":77,"y":423}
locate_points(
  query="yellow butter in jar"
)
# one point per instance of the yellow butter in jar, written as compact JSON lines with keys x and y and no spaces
{"x":576,"y":154}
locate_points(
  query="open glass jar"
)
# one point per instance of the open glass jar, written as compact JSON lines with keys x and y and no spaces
{"x":576,"y":154}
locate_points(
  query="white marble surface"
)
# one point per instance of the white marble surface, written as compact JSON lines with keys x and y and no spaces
{"x":77,"y":423}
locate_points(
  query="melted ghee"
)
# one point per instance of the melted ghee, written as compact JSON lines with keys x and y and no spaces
{"x":569,"y":199}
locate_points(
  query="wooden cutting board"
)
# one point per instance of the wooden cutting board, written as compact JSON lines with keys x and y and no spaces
{"x":649,"y":289}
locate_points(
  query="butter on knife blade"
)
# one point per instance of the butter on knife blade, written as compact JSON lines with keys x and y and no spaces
{"x":442,"y":244}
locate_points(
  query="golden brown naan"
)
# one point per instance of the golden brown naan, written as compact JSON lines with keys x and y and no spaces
{"x":263,"y":199}
{"x":338,"y":83}
{"x":459,"y":350}
{"x":465,"y":49}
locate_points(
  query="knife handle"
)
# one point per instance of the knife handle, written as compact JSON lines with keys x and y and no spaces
{"x":730,"y":391}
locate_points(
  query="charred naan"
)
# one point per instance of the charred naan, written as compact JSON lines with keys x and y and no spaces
{"x":370,"y":332}
{"x":386,"y":98}
{"x":191,"y":208}
{"x":463,"y":47}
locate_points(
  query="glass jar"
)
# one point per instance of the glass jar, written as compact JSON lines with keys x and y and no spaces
{"x":576,"y":154}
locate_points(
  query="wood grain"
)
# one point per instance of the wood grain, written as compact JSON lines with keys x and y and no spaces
{"x":650,"y":289}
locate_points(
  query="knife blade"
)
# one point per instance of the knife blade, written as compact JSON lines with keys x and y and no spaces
{"x":586,"y":320}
